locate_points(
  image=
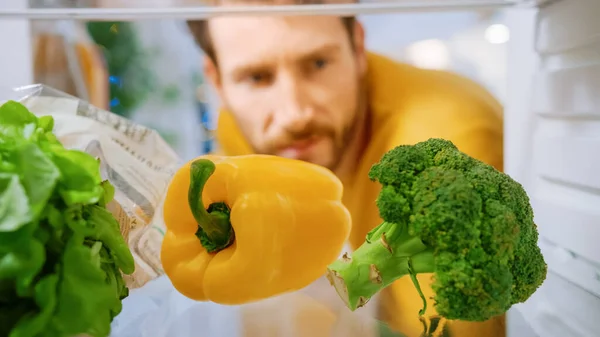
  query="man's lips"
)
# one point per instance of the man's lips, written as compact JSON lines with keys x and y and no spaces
{"x":298,"y":148}
{"x":303,"y":144}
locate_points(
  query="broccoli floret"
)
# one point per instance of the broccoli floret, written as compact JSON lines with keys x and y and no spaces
{"x":456,"y":217}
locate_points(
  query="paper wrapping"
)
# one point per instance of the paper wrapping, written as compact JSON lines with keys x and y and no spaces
{"x":135,"y":159}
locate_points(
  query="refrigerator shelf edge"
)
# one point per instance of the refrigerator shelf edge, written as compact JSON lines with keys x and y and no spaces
{"x":203,"y":12}
{"x":580,"y":272}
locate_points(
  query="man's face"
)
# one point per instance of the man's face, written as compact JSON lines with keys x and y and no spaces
{"x":292,"y":83}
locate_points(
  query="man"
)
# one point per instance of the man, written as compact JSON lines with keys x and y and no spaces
{"x":306,"y":88}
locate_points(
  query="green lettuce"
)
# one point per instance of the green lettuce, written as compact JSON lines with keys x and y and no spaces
{"x":62,"y":255}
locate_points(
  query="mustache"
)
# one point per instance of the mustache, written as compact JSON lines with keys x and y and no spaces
{"x":288,"y":137}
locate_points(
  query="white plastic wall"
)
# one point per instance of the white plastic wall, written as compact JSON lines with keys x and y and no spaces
{"x":553,"y":146}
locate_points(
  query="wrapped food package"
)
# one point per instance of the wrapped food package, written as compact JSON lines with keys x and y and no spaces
{"x":136,"y":160}
{"x":140,"y":164}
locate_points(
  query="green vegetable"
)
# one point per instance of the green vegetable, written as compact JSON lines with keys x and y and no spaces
{"x":61,"y":250}
{"x":449,"y":214}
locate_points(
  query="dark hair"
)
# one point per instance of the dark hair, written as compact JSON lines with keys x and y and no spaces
{"x":201,"y":33}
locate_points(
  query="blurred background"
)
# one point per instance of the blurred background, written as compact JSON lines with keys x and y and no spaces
{"x":149,"y":70}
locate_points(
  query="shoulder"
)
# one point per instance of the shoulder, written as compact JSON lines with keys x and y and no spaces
{"x":475,"y":128}
{"x":396,"y":87}
{"x":417,"y":104}
{"x":229,"y":137}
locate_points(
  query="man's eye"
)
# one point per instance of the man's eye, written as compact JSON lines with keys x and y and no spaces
{"x":320,"y":63}
{"x":258,"y":78}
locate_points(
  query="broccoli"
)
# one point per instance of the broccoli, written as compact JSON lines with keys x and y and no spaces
{"x":451,"y":215}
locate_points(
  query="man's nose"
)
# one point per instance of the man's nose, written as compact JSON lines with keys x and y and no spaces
{"x":295,"y":109}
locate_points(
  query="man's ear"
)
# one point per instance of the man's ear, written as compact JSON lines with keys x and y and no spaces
{"x":359,"y":47}
{"x":212,"y":73}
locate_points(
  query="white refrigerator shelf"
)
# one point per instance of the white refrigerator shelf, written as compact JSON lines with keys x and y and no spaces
{"x":186,"y":9}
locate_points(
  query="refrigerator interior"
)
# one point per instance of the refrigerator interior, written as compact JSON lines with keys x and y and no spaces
{"x":548,"y":80}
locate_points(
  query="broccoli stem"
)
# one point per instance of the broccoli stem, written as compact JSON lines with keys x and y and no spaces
{"x":214,"y":228}
{"x":388,"y":253}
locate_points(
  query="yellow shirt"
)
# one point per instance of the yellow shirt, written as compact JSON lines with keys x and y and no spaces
{"x":409,"y":105}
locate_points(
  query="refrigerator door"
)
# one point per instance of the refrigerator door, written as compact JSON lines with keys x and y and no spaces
{"x":553,"y":146}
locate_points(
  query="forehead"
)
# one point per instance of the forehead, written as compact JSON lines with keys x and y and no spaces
{"x":241,"y":40}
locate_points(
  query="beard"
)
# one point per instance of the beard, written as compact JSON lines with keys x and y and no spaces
{"x":338,"y":140}
{"x":332,"y":143}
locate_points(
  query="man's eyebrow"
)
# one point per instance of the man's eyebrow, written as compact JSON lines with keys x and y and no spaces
{"x":264,"y":64}
{"x":252,"y":67}
{"x":319,"y":50}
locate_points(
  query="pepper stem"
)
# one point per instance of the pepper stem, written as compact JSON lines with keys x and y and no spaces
{"x":214,"y":228}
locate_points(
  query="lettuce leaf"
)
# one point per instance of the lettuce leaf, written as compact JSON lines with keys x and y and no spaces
{"x":62,"y":255}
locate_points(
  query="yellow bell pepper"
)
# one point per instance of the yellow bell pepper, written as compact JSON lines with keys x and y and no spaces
{"x":272,"y":226}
